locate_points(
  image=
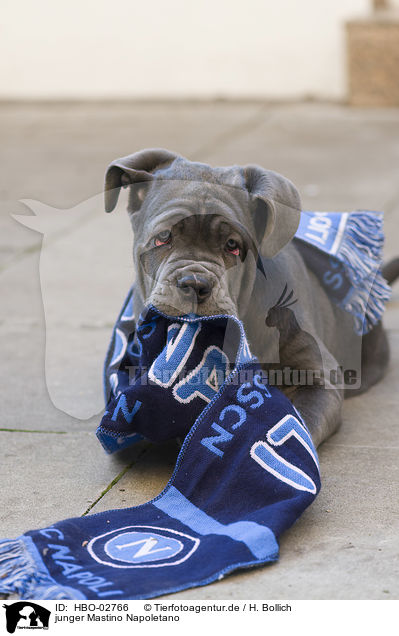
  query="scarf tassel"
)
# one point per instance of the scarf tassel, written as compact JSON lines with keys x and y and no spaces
{"x":361,"y":248}
{"x":361,"y":245}
{"x":367,"y":304}
{"x":21,"y":574}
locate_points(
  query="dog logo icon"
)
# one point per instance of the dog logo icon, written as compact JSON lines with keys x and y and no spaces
{"x":26,"y":615}
{"x":78,"y":241}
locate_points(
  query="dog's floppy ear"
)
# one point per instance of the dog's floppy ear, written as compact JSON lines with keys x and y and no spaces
{"x":132,"y":169}
{"x":276,"y":208}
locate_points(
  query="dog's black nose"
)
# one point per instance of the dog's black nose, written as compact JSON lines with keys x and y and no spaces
{"x":200,"y":285}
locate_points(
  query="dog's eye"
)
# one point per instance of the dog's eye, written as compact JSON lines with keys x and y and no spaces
{"x":232,"y":247}
{"x":162,"y":238}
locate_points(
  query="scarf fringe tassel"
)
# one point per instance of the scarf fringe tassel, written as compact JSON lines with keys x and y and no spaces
{"x":361,"y":249}
{"x":19,"y":574}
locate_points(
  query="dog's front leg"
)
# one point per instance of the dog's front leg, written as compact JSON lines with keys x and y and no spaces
{"x":318,"y":401}
{"x":320,"y":407}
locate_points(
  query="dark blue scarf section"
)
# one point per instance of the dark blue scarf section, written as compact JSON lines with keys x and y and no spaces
{"x":245,"y":473}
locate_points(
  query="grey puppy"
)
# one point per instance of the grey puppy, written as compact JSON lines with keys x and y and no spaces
{"x":219,"y":240}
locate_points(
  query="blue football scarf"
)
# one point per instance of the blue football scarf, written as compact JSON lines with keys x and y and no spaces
{"x":344,"y":249}
{"x":247,"y":468}
{"x":245,"y":473}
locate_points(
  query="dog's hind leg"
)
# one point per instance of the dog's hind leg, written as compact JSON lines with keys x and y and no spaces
{"x":375,"y":346}
{"x":375,"y":359}
{"x":390,"y":270}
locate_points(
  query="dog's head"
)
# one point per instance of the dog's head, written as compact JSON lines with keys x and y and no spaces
{"x":198,"y":230}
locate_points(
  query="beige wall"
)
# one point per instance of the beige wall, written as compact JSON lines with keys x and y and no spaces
{"x":174,"y":48}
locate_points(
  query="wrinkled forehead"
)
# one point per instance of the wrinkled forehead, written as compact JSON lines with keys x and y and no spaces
{"x":172,"y":200}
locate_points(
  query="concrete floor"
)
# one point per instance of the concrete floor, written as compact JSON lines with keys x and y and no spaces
{"x":346,"y":546}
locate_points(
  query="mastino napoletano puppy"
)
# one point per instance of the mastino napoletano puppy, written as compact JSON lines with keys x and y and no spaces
{"x":219,"y":241}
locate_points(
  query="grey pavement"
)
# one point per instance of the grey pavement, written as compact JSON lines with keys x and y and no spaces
{"x":346,"y":545}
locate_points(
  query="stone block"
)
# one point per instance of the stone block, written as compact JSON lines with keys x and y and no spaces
{"x":373,"y":60}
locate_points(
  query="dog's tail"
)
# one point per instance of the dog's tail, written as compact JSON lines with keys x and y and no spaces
{"x":390,"y":270}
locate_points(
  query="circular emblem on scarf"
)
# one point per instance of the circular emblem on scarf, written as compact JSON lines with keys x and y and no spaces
{"x":142,"y":546}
